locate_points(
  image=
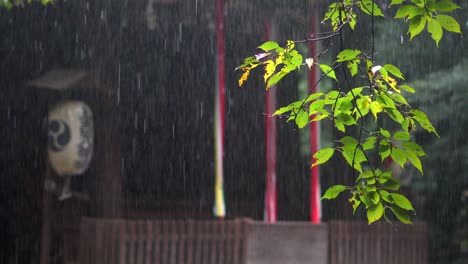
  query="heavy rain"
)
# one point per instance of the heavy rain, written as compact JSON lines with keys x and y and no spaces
{"x":126,"y":138}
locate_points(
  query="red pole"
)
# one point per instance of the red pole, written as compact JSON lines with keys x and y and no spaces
{"x":220,"y":58}
{"x":220,"y":210}
{"x":270,"y":138}
{"x":315,"y":207}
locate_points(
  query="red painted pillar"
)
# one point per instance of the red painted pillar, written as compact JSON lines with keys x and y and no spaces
{"x":219,"y":208}
{"x":315,"y":205}
{"x":270,"y":139}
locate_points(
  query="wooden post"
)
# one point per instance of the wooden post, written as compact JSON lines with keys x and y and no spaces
{"x":46,"y":219}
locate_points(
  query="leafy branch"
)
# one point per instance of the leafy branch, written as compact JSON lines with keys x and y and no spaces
{"x":382,"y":97}
{"x":21,"y":3}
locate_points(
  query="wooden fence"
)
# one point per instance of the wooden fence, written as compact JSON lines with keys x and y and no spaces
{"x":160,"y":241}
{"x":359,"y":243}
{"x":243,"y":241}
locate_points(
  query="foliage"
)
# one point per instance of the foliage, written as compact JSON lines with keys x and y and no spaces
{"x":21,"y":3}
{"x":379,"y":95}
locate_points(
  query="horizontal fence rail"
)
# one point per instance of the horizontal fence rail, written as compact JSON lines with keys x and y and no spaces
{"x":382,"y":243}
{"x":162,"y":241}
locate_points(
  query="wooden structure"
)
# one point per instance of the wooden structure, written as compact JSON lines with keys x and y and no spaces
{"x":158,"y":241}
{"x":244,"y":241}
{"x":359,"y":243}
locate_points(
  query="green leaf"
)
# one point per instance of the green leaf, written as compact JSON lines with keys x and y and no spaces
{"x":319,"y":117}
{"x":399,"y":156}
{"x":348,"y":55}
{"x":275,"y":78}
{"x":399,"y":98}
{"x":401,"y":201}
{"x":434,"y":27}
{"x":351,"y":154}
{"x":448,"y":23}
{"x":370,"y":8}
{"x":327,"y":70}
{"x":346,"y":106}
{"x":269,"y":45}
{"x":313,"y":96}
{"x":384,"y":149}
{"x":409,"y":11}
{"x":396,"y":2}
{"x":424,"y":121}
{"x":446,"y":6}
{"x":390,"y":183}
{"x":385,"y":196}
{"x":401,"y":135}
{"x":375,"y":108}
{"x":374,"y":197}
{"x":394,"y":114}
{"x":411,"y":146}
{"x":393,"y":70}
{"x":316,"y":106}
{"x":401,"y":214}
{"x":386,"y":101}
{"x":323,"y":156}
{"x":366,"y":175}
{"x":295,"y":58}
{"x":349,"y":141}
{"x":355,"y":202}
{"x":407,"y":88}
{"x":369,"y":143}
{"x":302,"y":119}
{"x":375,"y":212}
{"x":416,"y":26}
{"x":334,"y":191}
{"x":414,"y":159}
{"x":385,"y":133}
{"x":340,"y":126}
{"x":353,"y":68}
{"x":292,"y":106}
{"x":346,"y":119}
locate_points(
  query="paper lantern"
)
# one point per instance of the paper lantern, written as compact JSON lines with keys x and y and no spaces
{"x":70,"y":137}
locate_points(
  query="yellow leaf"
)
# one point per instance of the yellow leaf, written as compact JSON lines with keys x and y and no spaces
{"x":244,"y":77}
{"x":376,"y":108}
{"x":270,"y":68}
{"x":309,"y":62}
{"x":393,"y":83}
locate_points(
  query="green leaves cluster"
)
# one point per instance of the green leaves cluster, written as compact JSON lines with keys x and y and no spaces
{"x":377,"y":191}
{"x":382,"y":96}
{"x":428,"y":14}
{"x":276,"y":60}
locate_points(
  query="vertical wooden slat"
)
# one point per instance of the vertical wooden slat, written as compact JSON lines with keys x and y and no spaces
{"x":229,"y":243}
{"x":243,"y":240}
{"x":173,"y":241}
{"x":157,"y":242}
{"x":237,"y":246}
{"x":139,"y":242}
{"x":132,"y":239}
{"x":149,"y":242}
{"x":190,"y":243}
{"x":221,"y":250}
{"x":120,"y":226}
{"x":198,"y":243}
{"x":205,"y":243}
{"x":162,"y":242}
